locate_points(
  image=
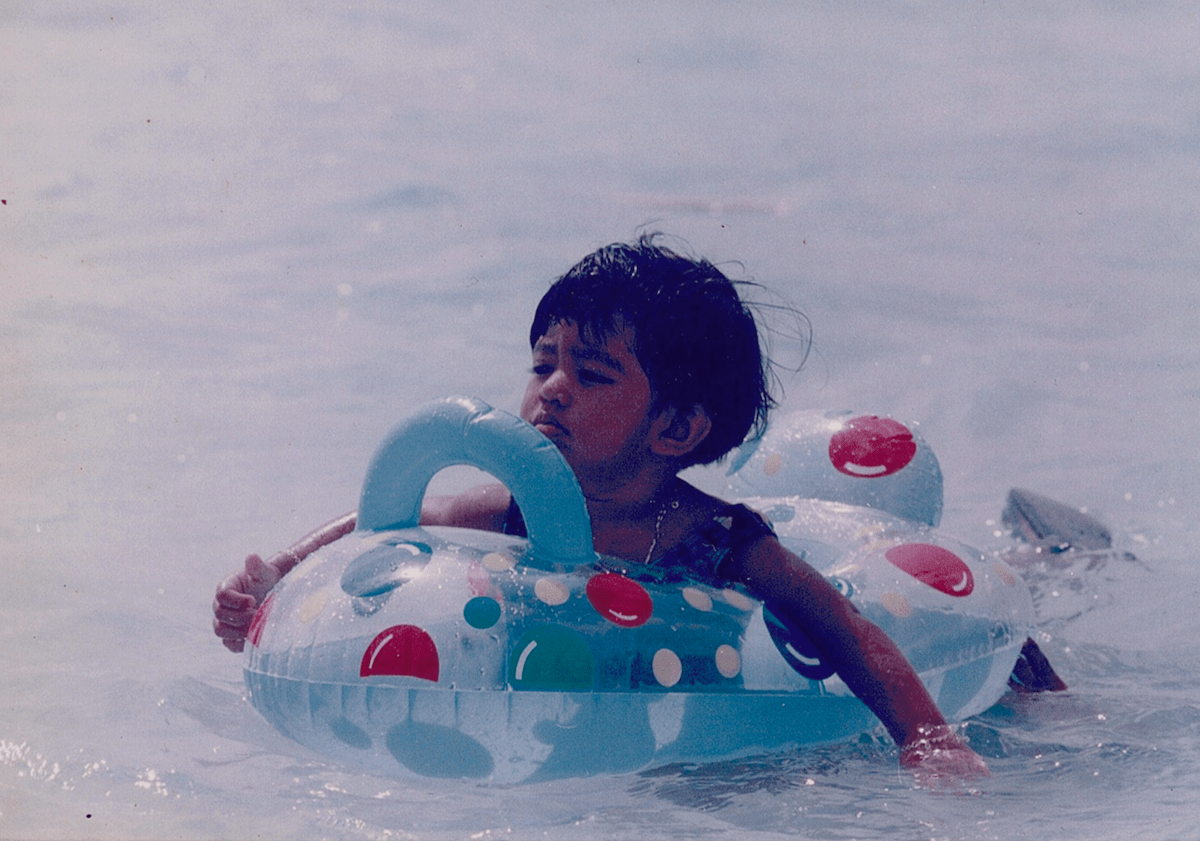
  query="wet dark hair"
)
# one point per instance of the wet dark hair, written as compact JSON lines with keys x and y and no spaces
{"x":693,"y":335}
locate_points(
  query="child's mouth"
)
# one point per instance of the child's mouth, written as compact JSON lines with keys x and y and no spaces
{"x":549,"y":427}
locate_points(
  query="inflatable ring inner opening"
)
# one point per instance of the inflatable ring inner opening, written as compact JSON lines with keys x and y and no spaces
{"x":464,"y":430}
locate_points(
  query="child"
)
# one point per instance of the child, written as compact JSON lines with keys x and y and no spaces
{"x":646,"y":362}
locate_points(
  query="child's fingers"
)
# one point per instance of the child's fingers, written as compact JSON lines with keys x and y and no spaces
{"x":244,"y":588}
{"x":232,"y":637}
{"x":261,"y":573}
{"x":228,"y":630}
{"x":231,"y":596}
{"x":234,"y":617}
{"x":942,"y":768}
{"x":237,"y":598}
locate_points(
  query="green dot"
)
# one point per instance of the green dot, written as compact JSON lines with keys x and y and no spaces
{"x":482,"y":612}
{"x":551,"y":657}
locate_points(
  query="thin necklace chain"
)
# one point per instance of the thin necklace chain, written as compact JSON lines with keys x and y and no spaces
{"x":668,"y":503}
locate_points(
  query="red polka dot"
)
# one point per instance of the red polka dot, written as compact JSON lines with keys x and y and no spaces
{"x":868,"y":447}
{"x":940,"y":568}
{"x":620,"y":600}
{"x":401,"y":650}
{"x":260,"y":620}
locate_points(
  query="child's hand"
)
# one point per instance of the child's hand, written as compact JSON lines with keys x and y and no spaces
{"x":238,"y":597}
{"x":939,"y":758}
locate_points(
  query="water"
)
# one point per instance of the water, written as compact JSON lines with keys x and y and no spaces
{"x":239,"y":243}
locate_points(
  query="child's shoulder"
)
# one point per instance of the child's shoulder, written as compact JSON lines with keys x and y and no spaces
{"x":703,"y":511}
{"x":733,"y":525}
{"x":715,"y":530}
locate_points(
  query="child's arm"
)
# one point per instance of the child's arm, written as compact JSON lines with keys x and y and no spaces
{"x":864,"y":657}
{"x":239,"y":595}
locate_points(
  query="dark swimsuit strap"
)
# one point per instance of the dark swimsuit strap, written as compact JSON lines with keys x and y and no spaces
{"x":703,"y":551}
{"x":700,"y":553}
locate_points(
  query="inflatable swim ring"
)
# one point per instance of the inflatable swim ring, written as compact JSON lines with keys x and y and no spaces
{"x":447,"y":652}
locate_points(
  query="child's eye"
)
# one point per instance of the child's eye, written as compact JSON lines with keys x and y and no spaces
{"x":594,"y":377}
{"x":542,"y":370}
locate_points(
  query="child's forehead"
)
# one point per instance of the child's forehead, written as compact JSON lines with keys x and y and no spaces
{"x":612,"y":345}
{"x":619,"y":333}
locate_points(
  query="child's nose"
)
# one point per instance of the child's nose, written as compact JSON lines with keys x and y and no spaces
{"x":556,"y":388}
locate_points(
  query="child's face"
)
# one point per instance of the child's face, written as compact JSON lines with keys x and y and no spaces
{"x":592,"y":400}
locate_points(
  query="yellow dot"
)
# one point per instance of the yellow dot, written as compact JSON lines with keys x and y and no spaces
{"x":772,"y":464}
{"x":498,"y":561}
{"x":897,"y":604}
{"x":697,"y":599}
{"x":550,"y":591}
{"x":738,"y":600}
{"x":1004,"y":574}
{"x":667,"y":667}
{"x":313,"y":606}
{"x":729,"y":662}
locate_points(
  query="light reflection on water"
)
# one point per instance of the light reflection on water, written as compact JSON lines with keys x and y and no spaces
{"x":238,"y":245}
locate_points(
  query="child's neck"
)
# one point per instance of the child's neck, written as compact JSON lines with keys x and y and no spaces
{"x":632,"y":501}
{"x":626,"y":516}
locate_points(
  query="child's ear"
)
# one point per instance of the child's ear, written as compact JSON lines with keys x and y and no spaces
{"x":677,"y":432}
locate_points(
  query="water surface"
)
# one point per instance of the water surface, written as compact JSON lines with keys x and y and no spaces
{"x":237,"y":244}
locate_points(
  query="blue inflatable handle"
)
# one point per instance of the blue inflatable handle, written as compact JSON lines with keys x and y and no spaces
{"x":464,"y":430}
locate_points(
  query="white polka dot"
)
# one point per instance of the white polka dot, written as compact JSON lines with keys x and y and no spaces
{"x":667,"y":667}
{"x":729,"y":662}
{"x":772,"y":464}
{"x":60,"y":417}
{"x":132,"y":417}
{"x":498,"y":561}
{"x":738,"y":600}
{"x":697,"y":598}
{"x":897,"y":604}
{"x":313,"y":606}
{"x":550,"y":591}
